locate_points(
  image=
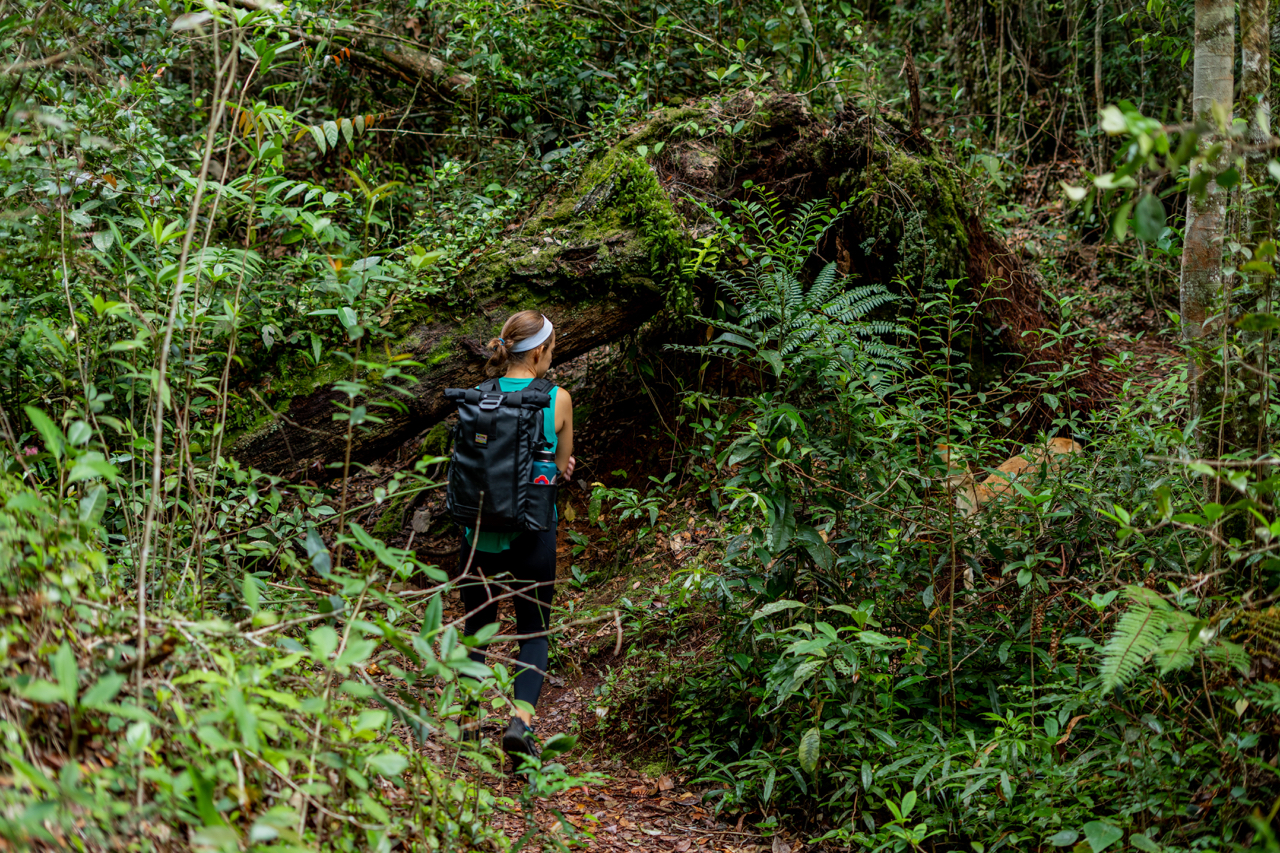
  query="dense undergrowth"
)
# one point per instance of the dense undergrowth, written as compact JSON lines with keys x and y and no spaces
{"x":207,"y":207}
{"x":861,"y":685}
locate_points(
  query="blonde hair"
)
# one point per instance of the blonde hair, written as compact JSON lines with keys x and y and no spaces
{"x":518,"y":327}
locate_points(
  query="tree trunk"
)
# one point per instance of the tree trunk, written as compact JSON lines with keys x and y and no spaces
{"x":1255,"y":79}
{"x":1255,"y":103}
{"x":606,"y":254}
{"x":1202,"y":254}
{"x":1100,"y":152}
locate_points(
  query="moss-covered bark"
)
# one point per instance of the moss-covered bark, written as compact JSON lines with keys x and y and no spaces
{"x":606,"y":253}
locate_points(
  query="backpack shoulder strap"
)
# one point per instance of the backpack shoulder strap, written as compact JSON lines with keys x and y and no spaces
{"x":542,"y":385}
{"x":494,"y":384}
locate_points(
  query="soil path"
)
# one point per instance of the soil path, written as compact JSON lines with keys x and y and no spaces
{"x":632,"y":809}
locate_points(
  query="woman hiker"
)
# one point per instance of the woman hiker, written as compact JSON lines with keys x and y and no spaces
{"x":521,"y":566}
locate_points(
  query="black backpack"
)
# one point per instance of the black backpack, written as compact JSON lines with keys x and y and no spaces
{"x":502,"y":472}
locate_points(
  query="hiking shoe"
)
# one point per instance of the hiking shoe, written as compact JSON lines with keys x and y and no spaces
{"x":519,"y":741}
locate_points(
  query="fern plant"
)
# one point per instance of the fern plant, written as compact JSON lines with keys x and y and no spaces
{"x":782,"y":319}
{"x":1154,"y":630}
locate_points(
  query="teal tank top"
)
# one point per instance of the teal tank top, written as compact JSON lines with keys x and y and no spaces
{"x":493,"y":543}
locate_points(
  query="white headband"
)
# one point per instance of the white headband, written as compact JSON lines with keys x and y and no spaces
{"x":535,"y":340}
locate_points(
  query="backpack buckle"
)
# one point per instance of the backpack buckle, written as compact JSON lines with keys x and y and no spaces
{"x":491,"y":401}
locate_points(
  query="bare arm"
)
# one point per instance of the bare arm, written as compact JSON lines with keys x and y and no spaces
{"x":564,"y":433}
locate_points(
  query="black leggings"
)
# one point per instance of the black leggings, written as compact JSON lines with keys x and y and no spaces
{"x":527,"y":568}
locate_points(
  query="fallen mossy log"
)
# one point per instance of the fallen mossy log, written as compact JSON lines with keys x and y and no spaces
{"x":605,"y":254}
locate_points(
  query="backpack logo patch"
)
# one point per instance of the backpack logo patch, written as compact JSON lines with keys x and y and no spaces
{"x":482,"y":439}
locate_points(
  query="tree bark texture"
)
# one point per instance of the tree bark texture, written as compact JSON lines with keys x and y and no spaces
{"x":605,"y":253}
{"x":1202,"y":254}
{"x":1255,"y":69}
{"x":1255,"y":102}
{"x":1098,"y":102}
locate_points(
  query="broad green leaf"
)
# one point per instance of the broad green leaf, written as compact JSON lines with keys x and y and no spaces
{"x":1101,"y":834}
{"x":371,"y":720}
{"x":776,"y":606}
{"x":213,"y":739}
{"x":433,"y":615}
{"x":79,"y":434}
{"x":204,"y":790}
{"x":104,"y":691}
{"x":93,"y":504}
{"x":330,"y":132}
{"x":1144,"y":843}
{"x":102,"y":240}
{"x":318,"y":135}
{"x":1065,"y":838}
{"x":1112,"y":120}
{"x":324,"y":640}
{"x":348,"y":130}
{"x":810,"y":748}
{"x":1074,"y":193}
{"x":908,"y":803}
{"x":1148,"y":218}
{"x":884,"y":736}
{"x":41,"y":691}
{"x":246,"y":720}
{"x":250,"y":588}
{"x":90,"y":466}
{"x":558,"y":744}
{"x":67,"y":672}
{"x":388,"y":763}
{"x":355,"y":652}
{"x":875,"y":638}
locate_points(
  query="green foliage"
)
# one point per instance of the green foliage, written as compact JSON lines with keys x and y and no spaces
{"x":855,"y":674}
{"x":777,"y":313}
{"x":205,"y":212}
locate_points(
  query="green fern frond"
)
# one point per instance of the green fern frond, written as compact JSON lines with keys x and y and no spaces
{"x":1176,"y":650}
{"x":1229,"y":654}
{"x":1136,"y":637}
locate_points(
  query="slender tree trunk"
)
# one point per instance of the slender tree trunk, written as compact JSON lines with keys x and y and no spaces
{"x":1100,"y":151}
{"x":1206,"y":211}
{"x":1255,"y":103}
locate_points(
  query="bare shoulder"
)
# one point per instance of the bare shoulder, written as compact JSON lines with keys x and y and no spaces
{"x":562,"y":397}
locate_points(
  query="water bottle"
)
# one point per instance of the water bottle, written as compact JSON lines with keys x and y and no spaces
{"x":544,"y":468}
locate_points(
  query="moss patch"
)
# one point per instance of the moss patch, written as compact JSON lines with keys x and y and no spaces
{"x":392,"y":519}
{"x":614,"y":229}
{"x":436,"y":441}
{"x":906,"y":200}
